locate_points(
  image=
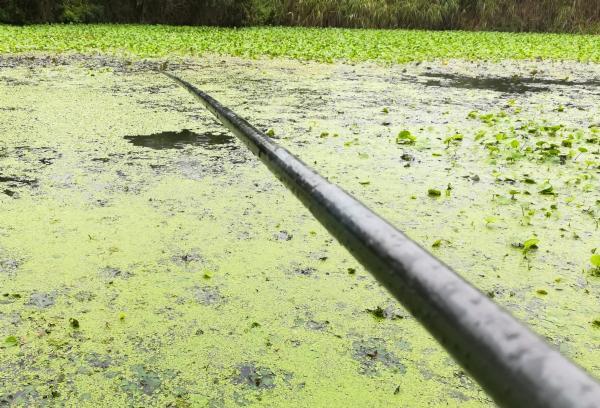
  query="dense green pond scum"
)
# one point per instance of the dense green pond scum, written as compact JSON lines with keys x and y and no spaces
{"x":147,"y":259}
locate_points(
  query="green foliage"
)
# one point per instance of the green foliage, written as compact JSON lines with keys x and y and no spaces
{"x":79,"y":11}
{"x":299,"y":43}
{"x":189,"y":12}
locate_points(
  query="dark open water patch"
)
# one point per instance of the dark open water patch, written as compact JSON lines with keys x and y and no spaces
{"x":371,"y":353}
{"x":17,"y":181}
{"x":178,"y":140}
{"x":514,"y":84}
{"x":255,"y":377}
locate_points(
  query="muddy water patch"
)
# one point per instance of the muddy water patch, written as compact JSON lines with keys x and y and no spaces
{"x":304,"y":271}
{"x":99,"y":361}
{"x":13,"y":181}
{"x":179,"y":140}
{"x":110,"y":274}
{"x":143,"y":380}
{"x":19,"y":397}
{"x":257,"y":378}
{"x":42,"y":300}
{"x":192,"y":261}
{"x":21,"y":168}
{"x":208,"y":295}
{"x":15,"y":82}
{"x":373,"y":353}
{"x":8,"y":266}
{"x":14,"y":184}
{"x":41,"y":154}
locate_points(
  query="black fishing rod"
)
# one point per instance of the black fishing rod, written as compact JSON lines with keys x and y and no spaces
{"x":512,"y":364}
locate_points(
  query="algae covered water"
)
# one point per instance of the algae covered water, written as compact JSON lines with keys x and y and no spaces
{"x":146,"y":258}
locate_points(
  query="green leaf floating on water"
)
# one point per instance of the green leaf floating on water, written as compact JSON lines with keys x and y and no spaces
{"x":405,"y":137}
{"x":530,"y":244}
{"x":547,"y":189}
{"x":490,"y":220}
{"x":454,"y":138}
{"x":595,"y":260}
{"x":10,"y":341}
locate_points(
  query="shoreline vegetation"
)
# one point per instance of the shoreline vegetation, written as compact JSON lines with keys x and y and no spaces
{"x":311,"y":44}
{"x":575,"y":16}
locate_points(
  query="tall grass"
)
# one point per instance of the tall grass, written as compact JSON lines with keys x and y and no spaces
{"x":534,"y":15}
{"x":362,"y":13}
{"x":506,"y":15}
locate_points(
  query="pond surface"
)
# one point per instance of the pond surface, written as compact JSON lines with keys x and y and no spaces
{"x":147,"y":259}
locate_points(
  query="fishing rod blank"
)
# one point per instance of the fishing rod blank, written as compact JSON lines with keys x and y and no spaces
{"x":513,"y":365}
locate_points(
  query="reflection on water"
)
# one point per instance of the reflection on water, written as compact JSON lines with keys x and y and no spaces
{"x":512,"y":84}
{"x":178,"y":140}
